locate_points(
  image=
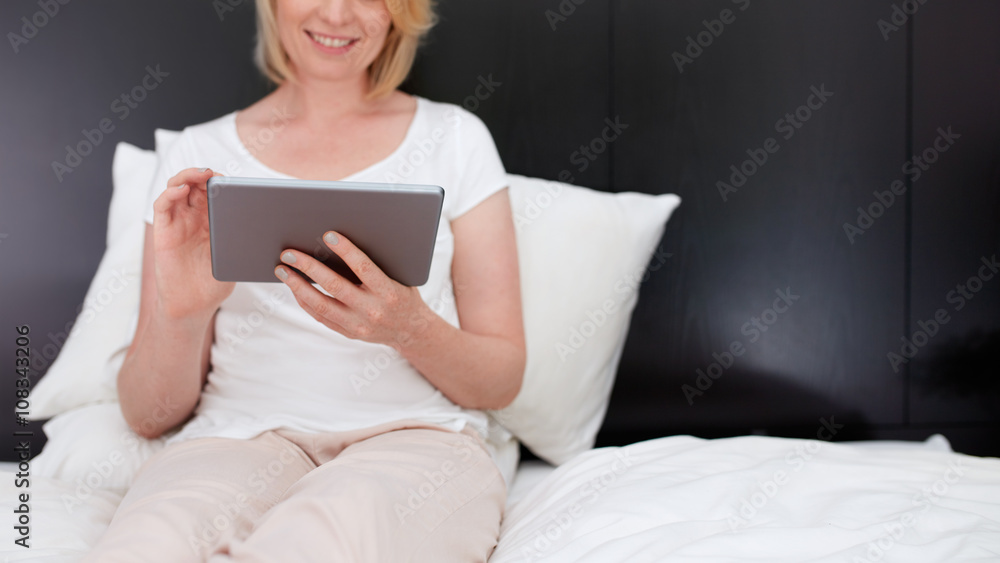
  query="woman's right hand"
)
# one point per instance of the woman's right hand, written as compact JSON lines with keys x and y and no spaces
{"x":182,"y":250}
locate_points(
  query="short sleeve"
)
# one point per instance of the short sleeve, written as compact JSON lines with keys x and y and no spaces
{"x":169,"y":161}
{"x":481,"y":172}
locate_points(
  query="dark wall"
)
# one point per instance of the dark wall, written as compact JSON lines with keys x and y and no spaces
{"x":557,"y":71}
{"x":66,"y":79}
{"x":861,"y":293}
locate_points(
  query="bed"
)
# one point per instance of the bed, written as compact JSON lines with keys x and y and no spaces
{"x":683,"y":499}
{"x":676,"y":498}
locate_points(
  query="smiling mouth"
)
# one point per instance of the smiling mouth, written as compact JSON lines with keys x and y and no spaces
{"x":331,"y":42}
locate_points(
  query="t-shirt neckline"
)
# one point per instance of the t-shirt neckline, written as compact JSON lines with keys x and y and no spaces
{"x":410,"y":132}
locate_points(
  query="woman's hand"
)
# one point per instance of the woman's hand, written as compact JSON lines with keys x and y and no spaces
{"x":380,"y":310}
{"x":477,"y":365}
{"x":182,"y":250}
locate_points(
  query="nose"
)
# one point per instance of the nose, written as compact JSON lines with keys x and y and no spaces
{"x":336,"y":12}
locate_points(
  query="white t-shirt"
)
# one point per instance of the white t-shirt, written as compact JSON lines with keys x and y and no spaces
{"x":273,"y":365}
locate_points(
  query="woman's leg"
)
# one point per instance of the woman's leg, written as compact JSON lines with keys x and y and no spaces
{"x":193,"y":496}
{"x":409,"y":495}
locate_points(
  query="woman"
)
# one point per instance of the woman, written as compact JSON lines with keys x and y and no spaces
{"x":339,"y":422}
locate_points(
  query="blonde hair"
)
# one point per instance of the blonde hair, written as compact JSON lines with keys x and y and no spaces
{"x":411,"y":20}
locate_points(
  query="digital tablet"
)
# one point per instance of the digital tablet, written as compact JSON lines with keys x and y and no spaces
{"x":251,"y":220}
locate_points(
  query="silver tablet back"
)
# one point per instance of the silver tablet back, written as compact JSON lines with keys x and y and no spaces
{"x":253,"y":219}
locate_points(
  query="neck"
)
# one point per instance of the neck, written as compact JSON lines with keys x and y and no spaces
{"x":320,"y":101}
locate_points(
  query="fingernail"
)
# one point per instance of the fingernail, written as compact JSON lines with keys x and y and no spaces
{"x":182,"y":186}
{"x":331,"y":239}
{"x":281,"y":273}
{"x":288,"y":258}
{"x":203,"y":170}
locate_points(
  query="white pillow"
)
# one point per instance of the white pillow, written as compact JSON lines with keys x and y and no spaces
{"x":582,"y":254}
{"x":93,"y":447}
{"x":85,"y":370}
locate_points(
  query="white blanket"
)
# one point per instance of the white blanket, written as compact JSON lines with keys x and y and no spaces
{"x":684,"y":499}
{"x":65,"y":519}
{"x":679,"y":499}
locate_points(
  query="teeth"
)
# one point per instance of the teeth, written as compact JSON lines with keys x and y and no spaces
{"x":330,"y":42}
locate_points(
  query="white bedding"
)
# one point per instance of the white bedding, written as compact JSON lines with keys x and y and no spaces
{"x":683,"y":499}
{"x":66,"y":519}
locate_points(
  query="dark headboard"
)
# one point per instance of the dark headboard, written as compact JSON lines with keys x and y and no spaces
{"x":809,"y":237}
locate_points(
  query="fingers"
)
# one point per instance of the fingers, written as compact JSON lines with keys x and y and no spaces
{"x":365,"y":312}
{"x":179,"y":189}
{"x":336,"y":285}
{"x":328,"y":311}
{"x":359,"y":262}
{"x":196,"y":176}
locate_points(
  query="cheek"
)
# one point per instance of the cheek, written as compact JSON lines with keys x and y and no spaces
{"x":376,"y":23}
{"x":284,"y":19}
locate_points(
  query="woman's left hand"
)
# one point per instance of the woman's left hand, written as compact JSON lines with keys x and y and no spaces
{"x":380,"y":310}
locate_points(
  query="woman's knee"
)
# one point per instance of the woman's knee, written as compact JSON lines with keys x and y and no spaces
{"x":389,"y":503}
{"x":193,"y":496}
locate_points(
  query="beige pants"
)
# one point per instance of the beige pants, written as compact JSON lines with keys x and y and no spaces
{"x":403,"y":491}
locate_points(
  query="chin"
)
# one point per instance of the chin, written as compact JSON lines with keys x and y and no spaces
{"x":331,"y":69}
{"x":332,"y":75}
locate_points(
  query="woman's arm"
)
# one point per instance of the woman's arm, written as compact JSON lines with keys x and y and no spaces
{"x":165,"y":367}
{"x":160,"y":380}
{"x":479,"y":366}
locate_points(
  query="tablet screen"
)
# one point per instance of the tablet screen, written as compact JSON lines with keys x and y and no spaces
{"x":253,"y":219}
